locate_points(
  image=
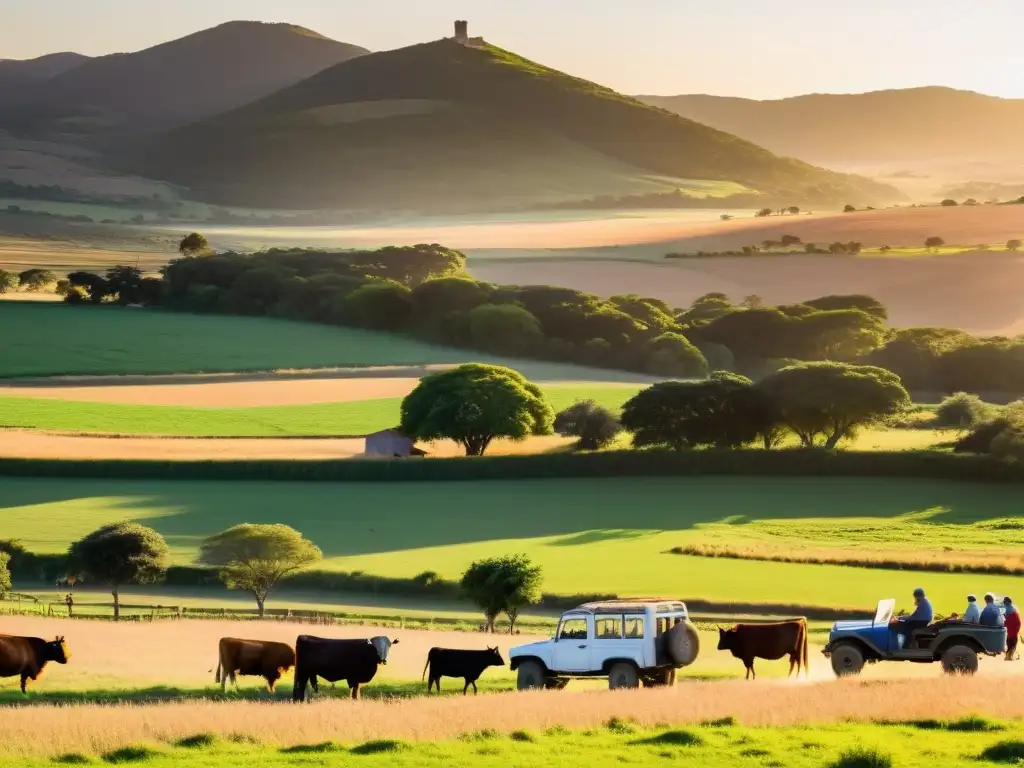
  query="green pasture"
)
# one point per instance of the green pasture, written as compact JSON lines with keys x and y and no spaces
{"x":720,"y":744}
{"x":52,"y":339}
{"x":601,"y":535}
{"x":360,"y":417}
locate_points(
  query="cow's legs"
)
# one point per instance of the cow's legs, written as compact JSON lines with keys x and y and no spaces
{"x":24,"y":679}
{"x":474,"y":688}
{"x":750,"y":669}
{"x":794,"y":662}
{"x":465,"y":688}
{"x":355,"y":689}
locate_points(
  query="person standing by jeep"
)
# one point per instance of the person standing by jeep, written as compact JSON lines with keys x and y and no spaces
{"x":921,"y":617}
{"x":1012,"y":628}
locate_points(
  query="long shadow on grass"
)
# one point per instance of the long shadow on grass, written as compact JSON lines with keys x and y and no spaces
{"x":347,"y":519}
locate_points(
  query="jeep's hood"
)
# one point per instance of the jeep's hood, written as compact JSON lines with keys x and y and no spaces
{"x":860,"y":625}
{"x":530,"y":649}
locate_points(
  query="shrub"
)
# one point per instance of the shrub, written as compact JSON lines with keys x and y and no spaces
{"x":863,"y":757}
{"x":962,"y":411}
{"x":596,"y":427}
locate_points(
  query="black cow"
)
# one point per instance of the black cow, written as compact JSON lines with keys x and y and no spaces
{"x":767,"y":641}
{"x":469,"y":665}
{"x":27,"y":656}
{"x":354,"y":661}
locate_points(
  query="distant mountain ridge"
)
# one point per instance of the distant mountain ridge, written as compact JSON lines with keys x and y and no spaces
{"x":174,"y":83}
{"x":882,"y":126}
{"x":444,"y":122}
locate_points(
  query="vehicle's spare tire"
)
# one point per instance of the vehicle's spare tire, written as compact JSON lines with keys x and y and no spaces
{"x":682,"y":644}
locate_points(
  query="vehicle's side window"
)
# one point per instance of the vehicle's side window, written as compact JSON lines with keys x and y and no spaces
{"x":573,"y":629}
{"x":634,"y":626}
{"x":662,"y":627}
{"x":608,"y":628}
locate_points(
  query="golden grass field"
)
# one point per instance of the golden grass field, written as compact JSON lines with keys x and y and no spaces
{"x":30,"y":444}
{"x":107,"y":655}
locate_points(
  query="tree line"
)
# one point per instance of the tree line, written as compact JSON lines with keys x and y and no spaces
{"x":256,"y":558}
{"x":819,"y":404}
{"x":425,"y":291}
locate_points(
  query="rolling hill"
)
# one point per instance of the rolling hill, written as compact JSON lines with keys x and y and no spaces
{"x":19,"y":74}
{"x":203,"y":74}
{"x":442,"y":125}
{"x":916,"y":127}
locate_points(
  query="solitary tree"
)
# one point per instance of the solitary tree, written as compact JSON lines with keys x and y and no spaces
{"x":830,"y":401}
{"x":788,"y":240}
{"x":849,"y":209}
{"x":502,"y":585}
{"x":120,"y":554}
{"x":474,"y":404}
{"x":949,"y":203}
{"x":5,"y":575}
{"x":794,"y":209}
{"x":1014,"y":245}
{"x":753,"y":301}
{"x":193,"y":245}
{"x":596,"y":427}
{"x":934,"y":243}
{"x":763,"y":213}
{"x":35,"y":280}
{"x":255,"y":558}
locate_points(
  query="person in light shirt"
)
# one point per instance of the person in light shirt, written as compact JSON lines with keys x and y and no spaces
{"x":973,"y":613}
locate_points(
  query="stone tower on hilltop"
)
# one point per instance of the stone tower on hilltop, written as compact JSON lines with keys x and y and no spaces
{"x":462,"y":36}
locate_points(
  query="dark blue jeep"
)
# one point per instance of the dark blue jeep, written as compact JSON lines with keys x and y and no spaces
{"x":956,"y":644}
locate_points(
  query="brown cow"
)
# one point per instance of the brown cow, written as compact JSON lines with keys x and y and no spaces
{"x":253,"y":657}
{"x":27,"y":656}
{"x":767,"y":641}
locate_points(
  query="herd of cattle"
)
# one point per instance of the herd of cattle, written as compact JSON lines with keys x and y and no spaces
{"x":356,"y":661}
{"x":314,"y":659}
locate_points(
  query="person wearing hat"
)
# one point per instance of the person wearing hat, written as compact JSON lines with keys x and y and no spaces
{"x":991,"y":616}
{"x":1012,"y":628}
{"x":921,"y":617}
{"x":973,"y":613}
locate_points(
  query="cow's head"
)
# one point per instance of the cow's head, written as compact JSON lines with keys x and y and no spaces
{"x":383,"y":646}
{"x":725,"y":638}
{"x":494,"y":658}
{"x":58,"y":651}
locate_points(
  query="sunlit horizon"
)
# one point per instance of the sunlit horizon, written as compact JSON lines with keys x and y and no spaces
{"x":661,"y":47}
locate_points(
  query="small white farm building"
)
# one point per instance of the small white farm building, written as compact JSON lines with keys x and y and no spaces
{"x":393,"y":444}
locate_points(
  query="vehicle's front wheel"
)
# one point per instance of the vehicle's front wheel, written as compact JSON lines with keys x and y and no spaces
{"x":531,"y":676}
{"x":847,"y":661}
{"x":960,"y":660}
{"x":623,"y":675}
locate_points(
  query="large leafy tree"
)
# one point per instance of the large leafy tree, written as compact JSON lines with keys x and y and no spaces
{"x":8,"y":281}
{"x":503,"y":585}
{"x":120,"y":554}
{"x":255,"y":558}
{"x":671,"y":354}
{"x":474,"y":404}
{"x":825,"y":402}
{"x":126,"y":283}
{"x":692,"y":414}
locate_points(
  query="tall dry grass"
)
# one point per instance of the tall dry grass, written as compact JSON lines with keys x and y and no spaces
{"x":35,"y":731}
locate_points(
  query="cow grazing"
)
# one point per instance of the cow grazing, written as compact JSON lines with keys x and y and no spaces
{"x":253,"y":657}
{"x":767,"y":641}
{"x":354,"y":661}
{"x":469,"y":665}
{"x":28,"y":656}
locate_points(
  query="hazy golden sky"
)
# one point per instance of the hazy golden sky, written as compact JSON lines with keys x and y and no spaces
{"x":753,"y":48}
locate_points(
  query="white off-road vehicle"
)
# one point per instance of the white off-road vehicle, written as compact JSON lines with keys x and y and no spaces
{"x":627,"y":641}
